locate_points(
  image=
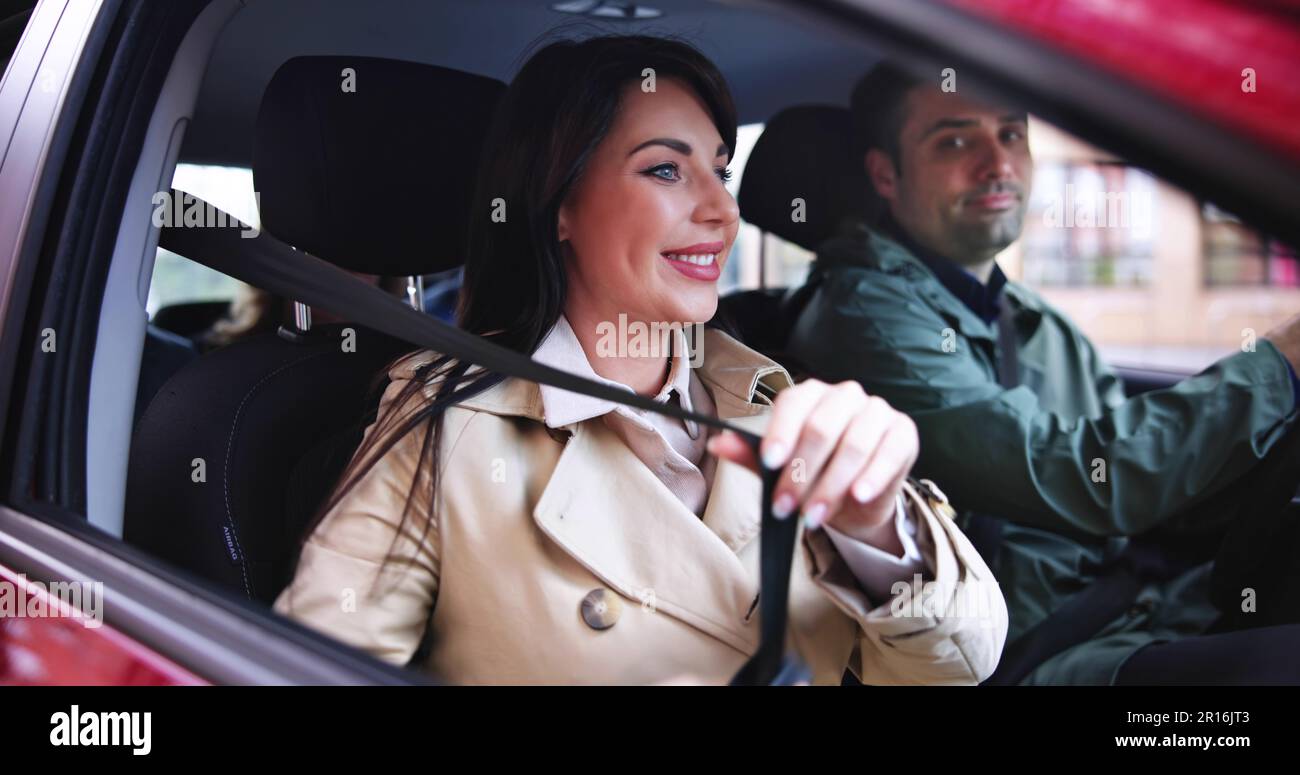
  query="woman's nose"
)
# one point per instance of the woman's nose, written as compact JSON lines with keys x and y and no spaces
{"x":717,"y":205}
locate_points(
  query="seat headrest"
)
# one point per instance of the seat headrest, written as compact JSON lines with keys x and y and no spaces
{"x":805,"y":152}
{"x":370,"y":163}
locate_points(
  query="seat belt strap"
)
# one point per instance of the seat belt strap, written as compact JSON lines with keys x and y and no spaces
{"x":983,"y":530}
{"x":1008,"y":346}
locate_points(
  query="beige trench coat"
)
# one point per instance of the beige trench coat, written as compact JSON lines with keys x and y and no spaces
{"x":556,"y":556}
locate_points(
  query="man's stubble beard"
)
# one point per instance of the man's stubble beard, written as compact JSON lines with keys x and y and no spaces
{"x":977,"y":242}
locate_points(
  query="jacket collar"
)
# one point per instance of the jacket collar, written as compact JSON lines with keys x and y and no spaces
{"x":740,"y":380}
{"x":562,"y":350}
{"x":859,"y":245}
{"x":982,"y":298}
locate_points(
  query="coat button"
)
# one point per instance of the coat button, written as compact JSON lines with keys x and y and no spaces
{"x":601,"y":608}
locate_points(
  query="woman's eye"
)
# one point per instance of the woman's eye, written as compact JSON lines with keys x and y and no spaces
{"x":723,"y":174}
{"x":667,"y":171}
{"x":1012,"y":135}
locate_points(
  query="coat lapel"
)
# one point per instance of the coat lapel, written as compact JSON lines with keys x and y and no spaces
{"x":606,"y":509}
{"x":740,"y":381}
{"x":609,"y":512}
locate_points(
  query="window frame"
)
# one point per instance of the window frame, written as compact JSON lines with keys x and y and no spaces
{"x":75,"y":193}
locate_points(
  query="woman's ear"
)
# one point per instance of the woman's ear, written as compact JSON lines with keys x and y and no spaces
{"x":562,"y":225}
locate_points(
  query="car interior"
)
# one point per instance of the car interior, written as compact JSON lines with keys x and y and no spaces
{"x":377,"y":181}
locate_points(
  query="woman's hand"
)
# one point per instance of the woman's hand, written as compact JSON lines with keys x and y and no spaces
{"x":845,"y":455}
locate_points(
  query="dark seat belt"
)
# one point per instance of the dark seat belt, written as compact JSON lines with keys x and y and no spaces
{"x":1080,"y":617}
{"x":983,"y":530}
{"x":267,"y":263}
{"x":1008,"y":346}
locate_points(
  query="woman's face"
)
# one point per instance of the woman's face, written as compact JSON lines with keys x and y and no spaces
{"x":649,"y":224}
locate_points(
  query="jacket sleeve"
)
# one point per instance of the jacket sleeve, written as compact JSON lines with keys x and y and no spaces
{"x":1121,"y":471}
{"x":948,"y":629}
{"x":338,"y":587}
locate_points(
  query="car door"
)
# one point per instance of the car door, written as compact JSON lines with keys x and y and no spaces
{"x":75,"y":102}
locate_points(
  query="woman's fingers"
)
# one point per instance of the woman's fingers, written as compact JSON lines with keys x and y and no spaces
{"x":853,"y":458}
{"x":819,"y":437}
{"x":868,"y":512}
{"x":873,"y":522}
{"x":789,"y":413}
{"x":843,"y":454}
{"x":890,"y":465}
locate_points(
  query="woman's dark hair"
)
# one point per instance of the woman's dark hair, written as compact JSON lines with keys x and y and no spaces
{"x":550,"y":120}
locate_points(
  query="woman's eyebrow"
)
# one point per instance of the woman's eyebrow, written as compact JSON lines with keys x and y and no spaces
{"x":677,"y":145}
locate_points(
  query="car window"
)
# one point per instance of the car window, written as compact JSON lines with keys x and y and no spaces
{"x":1157,"y":278}
{"x":177,"y":280}
{"x":759,"y":259}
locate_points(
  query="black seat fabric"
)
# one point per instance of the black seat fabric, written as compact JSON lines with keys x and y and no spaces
{"x":377,"y":181}
{"x":164,"y":354}
{"x":238,"y":421}
{"x":805,"y":153}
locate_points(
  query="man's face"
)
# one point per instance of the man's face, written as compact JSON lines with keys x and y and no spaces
{"x":963,"y":178}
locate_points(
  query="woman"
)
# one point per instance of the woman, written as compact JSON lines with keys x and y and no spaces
{"x":545,"y":536}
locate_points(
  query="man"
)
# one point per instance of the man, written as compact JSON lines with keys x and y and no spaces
{"x":1020,"y":419}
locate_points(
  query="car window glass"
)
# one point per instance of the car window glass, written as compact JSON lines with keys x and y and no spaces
{"x":177,"y":280}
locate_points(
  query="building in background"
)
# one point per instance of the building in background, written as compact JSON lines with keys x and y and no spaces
{"x":1154,"y":276}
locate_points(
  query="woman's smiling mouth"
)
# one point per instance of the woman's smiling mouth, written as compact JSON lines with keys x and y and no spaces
{"x":698,"y":262}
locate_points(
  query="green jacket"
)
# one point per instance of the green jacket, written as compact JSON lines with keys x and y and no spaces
{"x":1034,"y":455}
